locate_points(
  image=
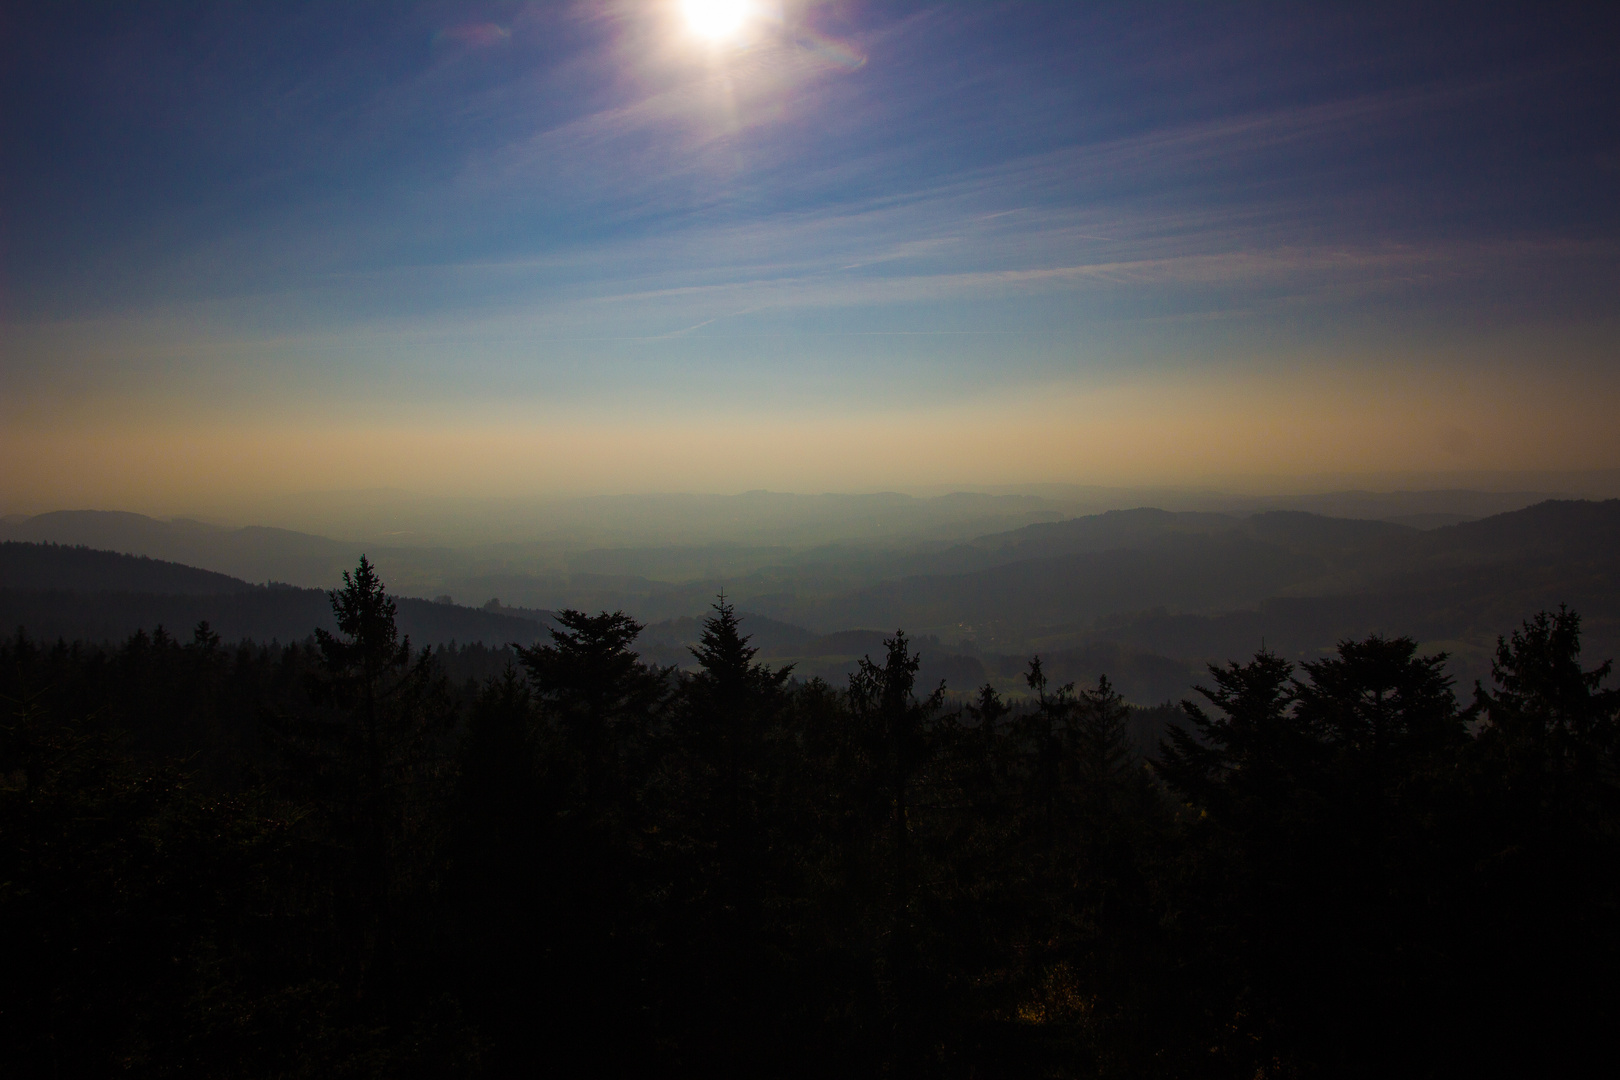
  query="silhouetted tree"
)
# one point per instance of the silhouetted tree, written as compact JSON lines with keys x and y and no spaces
{"x":884,"y":700}
{"x":1248,"y":754}
{"x":1551,"y":732}
{"x":727,"y":703}
{"x":598,"y":693}
{"x":1548,"y":871}
{"x":1376,"y":864}
{"x":606,"y":709}
{"x":715,"y":788}
{"x":373,"y":762}
{"x":987,"y":710}
{"x":501,"y":908}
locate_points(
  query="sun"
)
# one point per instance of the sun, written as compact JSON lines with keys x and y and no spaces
{"x":717,"y":20}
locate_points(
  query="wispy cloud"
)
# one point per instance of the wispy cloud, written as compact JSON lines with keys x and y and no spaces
{"x":571,"y":206}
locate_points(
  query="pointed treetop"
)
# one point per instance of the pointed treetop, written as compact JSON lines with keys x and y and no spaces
{"x":724,"y":647}
{"x":365,"y":614}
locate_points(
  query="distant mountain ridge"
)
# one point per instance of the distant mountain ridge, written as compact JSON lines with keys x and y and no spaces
{"x":1191,"y":586}
{"x":528,"y":553}
{"x":55,"y":591}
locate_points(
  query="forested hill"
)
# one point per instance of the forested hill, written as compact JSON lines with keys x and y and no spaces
{"x":1063,"y":577}
{"x":78,"y":593}
{"x":1147,"y":595}
{"x":1325,"y":549}
{"x":256,"y":553}
{"x":1148,"y":527}
{"x":82,"y":569}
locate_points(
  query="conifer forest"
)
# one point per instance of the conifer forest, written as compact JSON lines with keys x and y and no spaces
{"x":348,"y":856}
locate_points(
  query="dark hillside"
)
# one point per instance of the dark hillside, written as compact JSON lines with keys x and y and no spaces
{"x":1142,"y":527}
{"x":260,"y":614}
{"x":255,"y":553}
{"x":78,"y":569}
{"x":78,"y":593}
{"x":1313,"y":532}
{"x":1461,"y":609}
{"x":1210,"y":563}
{"x":1554,"y":527}
{"x":1188,"y":573}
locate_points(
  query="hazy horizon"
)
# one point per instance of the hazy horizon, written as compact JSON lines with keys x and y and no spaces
{"x":799,"y":520}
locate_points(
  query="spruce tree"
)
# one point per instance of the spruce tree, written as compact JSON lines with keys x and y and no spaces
{"x":1547,"y":875}
{"x":374,"y":763}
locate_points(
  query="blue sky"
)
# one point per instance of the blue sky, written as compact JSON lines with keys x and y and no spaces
{"x":860,"y":245}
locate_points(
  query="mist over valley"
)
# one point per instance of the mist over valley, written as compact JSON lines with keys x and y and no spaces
{"x":1148,"y":596}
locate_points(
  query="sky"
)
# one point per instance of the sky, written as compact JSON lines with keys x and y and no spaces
{"x":516,"y":249}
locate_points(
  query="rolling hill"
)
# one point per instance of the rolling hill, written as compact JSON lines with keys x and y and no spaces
{"x":1152,"y":594}
{"x":78,"y":593}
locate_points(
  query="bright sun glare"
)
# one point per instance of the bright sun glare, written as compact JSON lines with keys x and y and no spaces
{"x":716,"y":20}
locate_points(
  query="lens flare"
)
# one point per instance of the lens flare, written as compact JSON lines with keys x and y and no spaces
{"x":716,"y":20}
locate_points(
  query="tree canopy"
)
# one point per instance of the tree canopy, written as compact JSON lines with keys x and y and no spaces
{"x":345,"y":856}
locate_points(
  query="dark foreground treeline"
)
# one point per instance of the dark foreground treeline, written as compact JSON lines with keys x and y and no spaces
{"x":333,"y":860}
